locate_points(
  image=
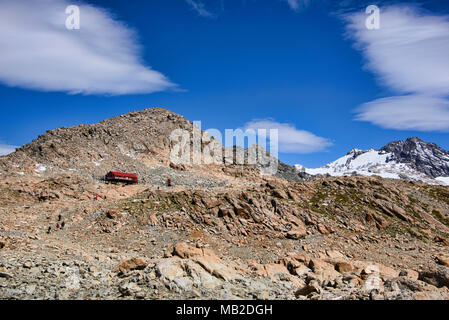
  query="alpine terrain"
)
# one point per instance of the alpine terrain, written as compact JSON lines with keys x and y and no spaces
{"x":217,"y":231}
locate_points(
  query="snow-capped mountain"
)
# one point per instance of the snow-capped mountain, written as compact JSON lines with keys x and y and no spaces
{"x":411,"y":159}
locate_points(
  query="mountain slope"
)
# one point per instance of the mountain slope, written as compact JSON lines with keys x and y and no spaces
{"x":411,"y":159}
{"x":250,"y":235}
{"x":129,"y":135}
{"x":137,"y":142}
{"x":424,"y":157}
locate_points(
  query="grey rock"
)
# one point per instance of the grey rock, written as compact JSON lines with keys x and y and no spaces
{"x":5,"y":275}
{"x":436,"y":277}
{"x":425,"y":157}
{"x":129,"y":289}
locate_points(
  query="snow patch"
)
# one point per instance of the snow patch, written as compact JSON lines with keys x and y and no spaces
{"x":357,"y":161}
{"x":131,"y":155}
{"x":97,"y":163}
{"x":444,"y":180}
{"x":40,"y":168}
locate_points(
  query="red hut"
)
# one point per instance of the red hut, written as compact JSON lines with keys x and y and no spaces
{"x":123,"y":177}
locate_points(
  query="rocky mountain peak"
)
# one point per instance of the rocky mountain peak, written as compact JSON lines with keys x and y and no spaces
{"x":412,"y":159}
{"x":136,"y":142}
{"x":355,"y":152}
{"x":128,"y":142}
{"x":425,"y":157}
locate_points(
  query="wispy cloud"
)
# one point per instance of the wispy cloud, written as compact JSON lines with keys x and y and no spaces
{"x":409,"y":54}
{"x":6,"y":149}
{"x":291,"y":140}
{"x":412,"y":112}
{"x":200,"y":8}
{"x":298,"y":5}
{"x":102,"y":57}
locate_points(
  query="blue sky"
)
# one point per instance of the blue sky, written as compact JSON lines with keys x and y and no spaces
{"x":230,"y":63}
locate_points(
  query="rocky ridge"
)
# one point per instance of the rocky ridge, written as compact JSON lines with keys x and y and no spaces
{"x":221,"y":232}
{"x":412,"y":159}
{"x":424,"y":157}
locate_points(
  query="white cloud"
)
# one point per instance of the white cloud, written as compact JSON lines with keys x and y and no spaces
{"x":409,"y":54}
{"x":6,"y":149}
{"x":102,"y":57}
{"x":200,"y":9}
{"x":291,"y":140}
{"x":297,"y":5}
{"x":413,"y":112}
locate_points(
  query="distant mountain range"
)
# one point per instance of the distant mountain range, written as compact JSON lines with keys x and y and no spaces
{"x":412,"y":159}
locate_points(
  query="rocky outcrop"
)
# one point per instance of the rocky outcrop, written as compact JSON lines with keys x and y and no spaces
{"x":438,"y":277}
{"x":424,"y":157}
{"x":412,"y":159}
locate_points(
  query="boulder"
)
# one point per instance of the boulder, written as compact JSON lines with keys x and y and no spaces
{"x":199,"y":276}
{"x":387,"y":272}
{"x":296,"y":233}
{"x":334,"y":254}
{"x":129,"y":289}
{"x":441,"y":240}
{"x":224,"y":212}
{"x":293,"y":196}
{"x":443,"y":260}
{"x":302,"y":257}
{"x":308,"y":289}
{"x":369,"y":268}
{"x":323,"y":271}
{"x":301,"y":270}
{"x":437,"y":277}
{"x":112,"y":214}
{"x":404,"y":288}
{"x":319,"y":265}
{"x":192,"y":267}
{"x":180,"y":167}
{"x":184,"y":251}
{"x":217,"y":268}
{"x":170,"y":269}
{"x":131,"y":264}
{"x":241,"y":211}
{"x":206,"y":259}
{"x":152,"y":219}
{"x":399,"y":212}
{"x":290,"y":263}
{"x":5,"y":275}
{"x":344,"y":267}
{"x":276,"y":271}
{"x":279,"y":193}
{"x":323,"y":229}
{"x":412,"y":274}
{"x":211,"y":203}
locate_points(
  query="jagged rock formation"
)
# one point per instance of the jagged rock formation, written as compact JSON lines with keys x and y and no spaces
{"x":412,"y":159}
{"x":424,"y":157}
